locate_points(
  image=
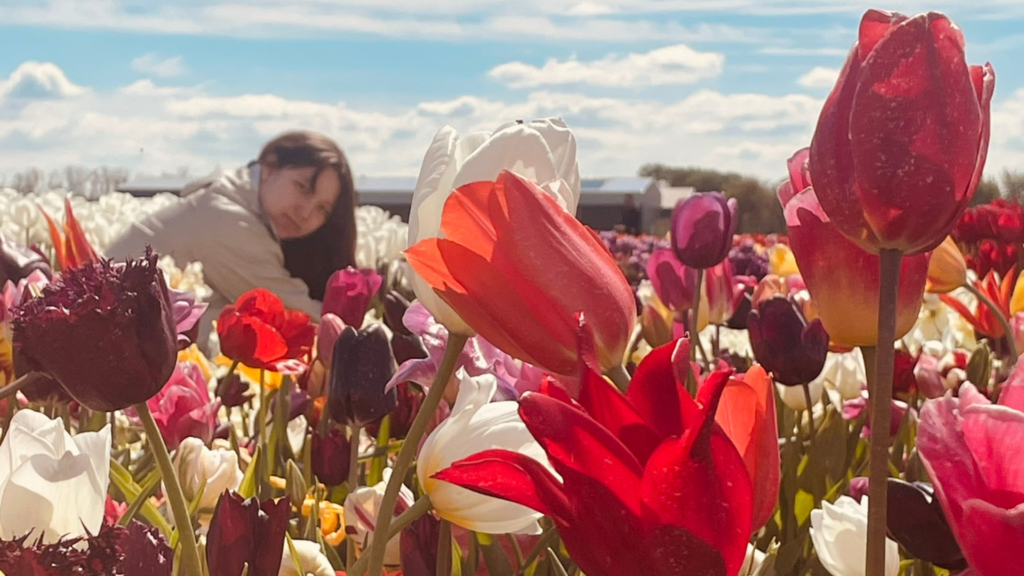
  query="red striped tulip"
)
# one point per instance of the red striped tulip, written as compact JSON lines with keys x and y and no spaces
{"x":517,"y":268}
{"x":901,"y":142}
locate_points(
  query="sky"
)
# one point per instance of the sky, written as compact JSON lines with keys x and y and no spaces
{"x":159,"y":85}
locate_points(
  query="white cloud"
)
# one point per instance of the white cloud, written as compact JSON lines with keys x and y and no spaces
{"x":38,"y":81}
{"x":819,"y":77}
{"x":677,"y":64}
{"x":156,"y":65}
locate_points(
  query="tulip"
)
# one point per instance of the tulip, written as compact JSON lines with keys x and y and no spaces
{"x":71,"y":248}
{"x":947,"y":269}
{"x":310,"y":559}
{"x":405,"y":345}
{"x":845,"y":373}
{"x":542,"y":151}
{"x":361,"y":507}
{"x":627,"y":455}
{"x":197,"y":466}
{"x":673,"y":281}
{"x":476,"y":424}
{"x":702,"y":229}
{"x":793,"y":397}
{"x":902,"y":139}
{"x":348,"y":294}
{"x":843,"y":279}
{"x":330,"y":329}
{"x":965,"y":444}
{"x":792,"y":349}
{"x":232,"y":391}
{"x":518,"y":269}
{"x":18,"y":262}
{"x":145,"y":552}
{"x":916,"y":522}
{"x":105,"y":331}
{"x":362,"y":368}
{"x":246,"y":531}
{"x":330,"y":457}
{"x":183,"y":408}
{"x":52,"y":484}
{"x":746,"y":413}
{"x":724,"y":292}
{"x":259,"y":332}
{"x":839,"y":533}
{"x":419,"y":546}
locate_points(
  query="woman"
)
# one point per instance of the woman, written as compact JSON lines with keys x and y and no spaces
{"x":285,"y":222}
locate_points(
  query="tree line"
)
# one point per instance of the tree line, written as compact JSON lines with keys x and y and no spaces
{"x":88,"y":182}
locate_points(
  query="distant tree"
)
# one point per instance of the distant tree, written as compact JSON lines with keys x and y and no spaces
{"x":987,"y":191}
{"x":1012,"y":184}
{"x":759,"y":209}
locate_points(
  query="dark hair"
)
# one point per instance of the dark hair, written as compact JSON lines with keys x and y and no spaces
{"x":331,"y":247}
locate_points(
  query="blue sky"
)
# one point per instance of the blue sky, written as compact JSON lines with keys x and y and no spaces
{"x":728,"y":84}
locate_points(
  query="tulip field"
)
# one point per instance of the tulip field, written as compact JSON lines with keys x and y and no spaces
{"x":499,"y":390}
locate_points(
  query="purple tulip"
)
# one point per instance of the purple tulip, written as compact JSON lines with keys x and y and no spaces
{"x":673,"y":281}
{"x":362,"y":367}
{"x":246,"y":531}
{"x":330,"y":457}
{"x":348,"y":294}
{"x":702,"y":229}
{"x":789,"y":347}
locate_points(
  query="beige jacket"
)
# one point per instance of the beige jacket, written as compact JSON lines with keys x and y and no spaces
{"x":219,"y":222}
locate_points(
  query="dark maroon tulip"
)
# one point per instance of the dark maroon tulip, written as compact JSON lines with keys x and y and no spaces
{"x":673,"y":281}
{"x":410,"y":398}
{"x":362,"y":367}
{"x":146,"y":552}
{"x":330,"y":457}
{"x":901,"y":141}
{"x":395,"y":306}
{"x":246,"y":531}
{"x":785,"y":344}
{"x":105,"y":331}
{"x":702,"y":229}
{"x":233,"y":391}
{"x":349,"y":293}
{"x":405,"y":345}
{"x":419,"y":546}
{"x":917,"y":523}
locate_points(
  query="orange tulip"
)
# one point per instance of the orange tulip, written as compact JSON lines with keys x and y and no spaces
{"x":947,"y":269}
{"x":746,"y":413}
{"x":71,"y":248}
{"x":518,"y":269}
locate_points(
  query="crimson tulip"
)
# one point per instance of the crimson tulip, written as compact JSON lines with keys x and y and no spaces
{"x":785,"y":343}
{"x":672,"y":492}
{"x":104,"y":330}
{"x":245,"y":530}
{"x":902,"y":139}
{"x":843,"y":279}
{"x":348,"y":294}
{"x":183,"y":408}
{"x":259,"y":332}
{"x":517,"y":268}
{"x":702,"y":229}
{"x":969,"y":447}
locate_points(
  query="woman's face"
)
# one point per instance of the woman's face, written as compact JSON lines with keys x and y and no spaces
{"x":295,"y":205}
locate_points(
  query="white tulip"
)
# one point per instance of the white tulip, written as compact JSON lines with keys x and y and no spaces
{"x":197,"y":465}
{"x":477,"y":424}
{"x":752,"y":561}
{"x":311,"y":560}
{"x":52,"y":483}
{"x":361,"y":509}
{"x":793,"y":396}
{"x":839,"y":533}
{"x":543,"y":151}
{"x":844,"y":373}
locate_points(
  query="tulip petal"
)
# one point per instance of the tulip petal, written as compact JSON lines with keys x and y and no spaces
{"x":250,"y":338}
{"x":654,"y":387}
{"x":987,"y":431}
{"x":679,"y":551}
{"x":604,"y":403}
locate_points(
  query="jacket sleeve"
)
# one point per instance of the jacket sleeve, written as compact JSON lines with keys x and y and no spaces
{"x":249,"y":259}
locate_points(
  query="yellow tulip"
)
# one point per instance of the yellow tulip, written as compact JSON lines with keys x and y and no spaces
{"x":947,"y":269}
{"x":781,"y":261}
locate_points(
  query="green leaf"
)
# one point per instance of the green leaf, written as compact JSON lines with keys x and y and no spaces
{"x":193,"y":506}
{"x":250,"y":481}
{"x":121,"y":478}
{"x":556,"y":566}
{"x":295,"y":484}
{"x":979,"y":366}
{"x":494,"y":556}
{"x":377,"y":464}
{"x":330,"y":552}
{"x":147,"y":489}
{"x":294,"y":553}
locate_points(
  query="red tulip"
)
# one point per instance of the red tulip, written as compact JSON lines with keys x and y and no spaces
{"x":246,"y":531}
{"x":702,"y":229}
{"x":970,"y":448}
{"x":71,"y":248}
{"x":650,"y":484}
{"x":183,"y":408}
{"x":348,"y":294}
{"x":517,"y":269}
{"x":902,"y":139}
{"x":258,"y":332}
{"x":843,"y":279}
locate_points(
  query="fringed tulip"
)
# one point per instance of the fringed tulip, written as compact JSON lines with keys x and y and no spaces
{"x":627,"y":457}
{"x":105,"y":331}
{"x":363,"y":365}
{"x":843,"y":279}
{"x":542,"y":151}
{"x":52,"y":484}
{"x":475,"y":425}
{"x":259,"y":332}
{"x":969,"y":447}
{"x":788,"y":346}
{"x":246,"y":531}
{"x":902,"y":139}
{"x":702,"y":229}
{"x":348,"y":294}
{"x":518,"y":268}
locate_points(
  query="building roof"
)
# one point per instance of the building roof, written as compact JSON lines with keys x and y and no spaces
{"x":156,"y":184}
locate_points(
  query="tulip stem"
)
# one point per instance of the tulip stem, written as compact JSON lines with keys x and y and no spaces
{"x":353,"y":479}
{"x":17,"y":385}
{"x":192,"y":564}
{"x":452,"y":350}
{"x":810,"y":411}
{"x":620,"y":376}
{"x":881,"y":410}
{"x":691,"y":380}
{"x":1011,"y":345}
{"x":411,"y":514}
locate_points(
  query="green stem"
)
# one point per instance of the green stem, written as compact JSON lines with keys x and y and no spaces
{"x":1011,"y":345}
{"x":810,"y":411}
{"x":881,"y":411}
{"x":619,"y":376}
{"x":456,"y":342}
{"x":691,"y":380}
{"x":419,"y":508}
{"x":191,"y":563}
{"x":353,"y":479}
{"x":13,"y":388}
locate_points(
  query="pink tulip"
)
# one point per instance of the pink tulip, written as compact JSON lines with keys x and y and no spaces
{"x":971,"y":450}
{"x":349,"y":293}
{"x":183,"y":407}
{"x":330,"y":328}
